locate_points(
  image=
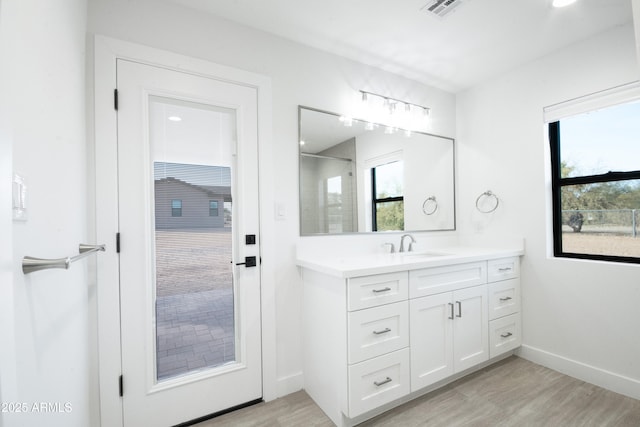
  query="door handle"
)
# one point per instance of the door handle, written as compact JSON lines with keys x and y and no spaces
{"x":249,"y":261}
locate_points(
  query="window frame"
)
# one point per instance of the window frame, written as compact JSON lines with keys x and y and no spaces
{"x":216,"y":209}
{"x":558,"y":182}
{"x":375,"y":201}
{"x":174,"y":210}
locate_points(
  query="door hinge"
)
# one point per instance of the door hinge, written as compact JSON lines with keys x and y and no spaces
{"x":117,"y":242}
{"x":115,"y":99}
{"x":121,"y":386}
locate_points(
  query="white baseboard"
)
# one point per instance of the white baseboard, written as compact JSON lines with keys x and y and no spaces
{"x":289,"y":384}
{"x":591,"y":374}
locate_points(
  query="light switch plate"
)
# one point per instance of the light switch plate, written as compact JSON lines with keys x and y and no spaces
{"x":19,"y":198}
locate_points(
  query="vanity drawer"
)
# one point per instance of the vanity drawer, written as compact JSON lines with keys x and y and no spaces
{"x":371,"y":291}
{"x":378,"y":381}
{"x":503,"y":268}
{"x":376,"y":331}
{"x":505,"y":334}
{"x":430,"y":281}
{"x":504,"y":298}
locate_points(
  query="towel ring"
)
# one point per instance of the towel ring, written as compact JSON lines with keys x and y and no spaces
{"x":430,"y":208}
{"x":487,"y":194}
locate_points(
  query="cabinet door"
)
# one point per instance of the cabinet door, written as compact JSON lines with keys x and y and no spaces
{"x":431,"y":320}
{"x":470,"y":327}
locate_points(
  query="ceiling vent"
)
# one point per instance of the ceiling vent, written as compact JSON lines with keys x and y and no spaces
{"x":441,"y":8}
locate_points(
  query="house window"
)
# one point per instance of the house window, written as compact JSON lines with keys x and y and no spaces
{"x":213,"y":208}
{"x":176,"y":207}
{"x":388,"y":199}
{"x":595,"y":166}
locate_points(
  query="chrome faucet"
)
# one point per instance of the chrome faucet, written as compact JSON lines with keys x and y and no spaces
{"x":410,"y":248}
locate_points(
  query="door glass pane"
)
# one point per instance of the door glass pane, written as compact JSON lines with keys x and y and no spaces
{"x":191,"y":151}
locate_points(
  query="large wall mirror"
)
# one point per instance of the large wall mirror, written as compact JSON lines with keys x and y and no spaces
{"x":357,"y":177}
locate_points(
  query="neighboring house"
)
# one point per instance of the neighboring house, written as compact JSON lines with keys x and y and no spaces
{"x":183,"y":205}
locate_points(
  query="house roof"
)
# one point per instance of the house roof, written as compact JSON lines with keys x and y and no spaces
{"x":212,"y":191}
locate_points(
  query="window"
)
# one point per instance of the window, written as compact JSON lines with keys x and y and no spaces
{"x":334,"y":204}
{"x":176,"y":207}
{"x":388,"y":200}
{"x":213,"y":208}
{"x":595,"y":161}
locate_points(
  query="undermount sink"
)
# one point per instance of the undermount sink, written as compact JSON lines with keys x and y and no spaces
{"x":421,"y":255}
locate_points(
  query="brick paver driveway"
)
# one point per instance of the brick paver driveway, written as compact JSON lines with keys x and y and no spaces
{"x":194,"y":300}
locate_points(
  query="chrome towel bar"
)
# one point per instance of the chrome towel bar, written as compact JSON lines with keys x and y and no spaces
{"x":31,"y":264}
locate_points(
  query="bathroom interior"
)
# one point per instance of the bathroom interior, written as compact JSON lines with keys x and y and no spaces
{"x":461,"y":102}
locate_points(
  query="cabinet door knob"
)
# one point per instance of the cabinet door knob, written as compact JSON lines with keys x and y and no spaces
{"x":383,"y":382}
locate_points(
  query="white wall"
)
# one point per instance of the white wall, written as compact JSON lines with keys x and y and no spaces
{"x":636,"y":19}
{"x":580,"y":317}
{"x":299,"y":76}
{"x":45,"y":358}
{"x":7,"y":321}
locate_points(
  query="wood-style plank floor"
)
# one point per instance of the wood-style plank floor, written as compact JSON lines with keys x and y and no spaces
{"x":513,"y":392}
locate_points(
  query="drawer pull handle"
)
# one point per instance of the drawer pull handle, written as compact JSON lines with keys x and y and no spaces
{"x":505,"y":299}
{"x":383,"y":382}
{"x":384,"y":331}
{"x":451,"y":307}
{"x":376,"y":291}
{"x":504,"y":269}
{"x":459,"y":309}
{"x":507,"y":335}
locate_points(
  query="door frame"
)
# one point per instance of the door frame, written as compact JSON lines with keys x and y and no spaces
{"x":106,"y":52}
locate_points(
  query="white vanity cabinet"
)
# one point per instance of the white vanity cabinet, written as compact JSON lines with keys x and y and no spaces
{"x":505,"y":331}
{"x":449,"y":333}
{"x":372,"y":341}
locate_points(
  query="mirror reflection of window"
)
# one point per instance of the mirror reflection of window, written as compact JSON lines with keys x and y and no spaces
{"x":388,"y":200}
{"x":334,"y":204}
{"x":330,"y":148}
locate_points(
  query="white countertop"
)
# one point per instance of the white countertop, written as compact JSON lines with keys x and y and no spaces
{"x":352,"y":266}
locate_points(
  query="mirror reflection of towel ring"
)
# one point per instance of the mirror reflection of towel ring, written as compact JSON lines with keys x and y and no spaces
{"x":487,"y":194}
{"x":430,"y":206}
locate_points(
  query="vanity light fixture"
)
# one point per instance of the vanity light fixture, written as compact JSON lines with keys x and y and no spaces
{"x":562,"y":3}
{"x":346,"y":121}
{"x":390,"y":112}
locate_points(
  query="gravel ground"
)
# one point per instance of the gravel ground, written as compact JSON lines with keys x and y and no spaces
{"x":601,"y":244}
{"x":192,"y":260}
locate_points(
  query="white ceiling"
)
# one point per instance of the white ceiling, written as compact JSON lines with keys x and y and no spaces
{"x":479,"y":39}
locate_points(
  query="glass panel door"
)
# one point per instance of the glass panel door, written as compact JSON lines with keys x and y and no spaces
{"x":191,"y":152}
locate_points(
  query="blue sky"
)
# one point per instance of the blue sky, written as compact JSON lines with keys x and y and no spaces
{"x":603,"y":140}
